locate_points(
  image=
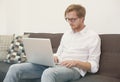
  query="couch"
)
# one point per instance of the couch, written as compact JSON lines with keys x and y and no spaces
{"x":109,"y":70}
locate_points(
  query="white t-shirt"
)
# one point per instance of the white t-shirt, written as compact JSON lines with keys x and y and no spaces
{"x":83,"y":46}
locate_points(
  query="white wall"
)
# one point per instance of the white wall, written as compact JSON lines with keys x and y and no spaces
{"x":3,"y":28}
{"x":19,"y":16}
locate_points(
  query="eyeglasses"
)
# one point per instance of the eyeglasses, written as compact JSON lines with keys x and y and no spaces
{"x":71,"y":19}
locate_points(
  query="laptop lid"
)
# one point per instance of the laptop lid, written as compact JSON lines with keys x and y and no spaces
{"x":39,"y":51}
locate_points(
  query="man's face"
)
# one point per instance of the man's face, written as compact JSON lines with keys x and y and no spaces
{"x":74,"y":21}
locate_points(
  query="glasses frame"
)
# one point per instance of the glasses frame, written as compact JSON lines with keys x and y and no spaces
{"x":71,"y":19}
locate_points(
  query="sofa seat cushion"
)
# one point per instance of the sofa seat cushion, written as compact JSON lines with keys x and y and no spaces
{"x":97,"y":78}
{"x":29,"y":80}
{"x":3,"y":70}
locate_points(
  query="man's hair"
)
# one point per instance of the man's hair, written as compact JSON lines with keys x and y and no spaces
{"x":79,"y":9}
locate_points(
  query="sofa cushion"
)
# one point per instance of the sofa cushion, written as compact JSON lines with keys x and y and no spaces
{"x":5,"y":41}
{"x":54,"y":37}
{"x":97,"y":78}
{"x":29,"y":80}
{"x":110,"y":56}
{"x":3,"y":70}
{"x":16,"y":52}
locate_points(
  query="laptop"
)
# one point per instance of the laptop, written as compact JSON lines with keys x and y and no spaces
{"x":39,"y":51}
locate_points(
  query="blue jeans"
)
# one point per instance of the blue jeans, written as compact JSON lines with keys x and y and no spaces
{"x":47,"y":74}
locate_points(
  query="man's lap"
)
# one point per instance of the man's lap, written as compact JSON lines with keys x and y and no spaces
{"x":30,"y":70}
{"x":61,"y":73}
{"x":34,"y":71}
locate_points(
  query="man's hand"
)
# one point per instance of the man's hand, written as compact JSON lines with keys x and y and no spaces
{"x":56,"y":59}
{"x":74,"y":63}
{"x":69,"y":63}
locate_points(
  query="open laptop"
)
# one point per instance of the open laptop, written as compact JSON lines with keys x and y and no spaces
{"x":39,"y":51}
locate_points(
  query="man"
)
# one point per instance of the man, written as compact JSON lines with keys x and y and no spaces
{"x":78,"y":53}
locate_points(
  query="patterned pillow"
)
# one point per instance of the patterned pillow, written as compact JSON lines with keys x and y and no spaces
{"x":5,"y":41}
{"x":16,"y":53}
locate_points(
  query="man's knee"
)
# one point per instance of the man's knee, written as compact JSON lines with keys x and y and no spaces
{"x":14,"y":67}
{"x":49,"y":72}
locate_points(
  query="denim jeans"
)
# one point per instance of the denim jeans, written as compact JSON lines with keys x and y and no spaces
{"x":34,"y":71}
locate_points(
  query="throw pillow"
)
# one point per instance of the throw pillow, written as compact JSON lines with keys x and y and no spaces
{"x":5,"y":41}
{"x":16,"y":53}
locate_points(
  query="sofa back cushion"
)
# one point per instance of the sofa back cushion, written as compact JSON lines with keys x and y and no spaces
{"x":5,"y":41}
{"x":54,"y":37}
{"x":110,"y":55}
